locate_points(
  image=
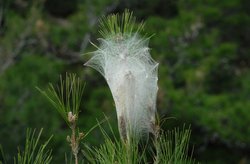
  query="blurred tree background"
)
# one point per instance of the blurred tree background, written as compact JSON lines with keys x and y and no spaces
{"x":204,"y":76}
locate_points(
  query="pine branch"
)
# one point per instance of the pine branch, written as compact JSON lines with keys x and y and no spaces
{"x":33,"y":151}
{"x":115,"y":25}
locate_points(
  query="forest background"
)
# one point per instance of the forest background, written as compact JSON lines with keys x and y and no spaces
{"x":204,"y":76}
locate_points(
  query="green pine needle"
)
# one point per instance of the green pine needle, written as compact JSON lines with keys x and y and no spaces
{"x":172,"y":147}
{"x":114,"y":150}
{"x":119,"y":25}
{"x":33,"y":151}
{"x":66,"y":97}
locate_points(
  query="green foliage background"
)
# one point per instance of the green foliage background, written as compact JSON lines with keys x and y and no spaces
{"x":204,"y":76}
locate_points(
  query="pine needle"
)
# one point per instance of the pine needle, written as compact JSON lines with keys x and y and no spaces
{"x":119,"y":25}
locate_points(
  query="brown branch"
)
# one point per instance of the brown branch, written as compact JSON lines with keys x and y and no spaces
{"x":75,"y":139}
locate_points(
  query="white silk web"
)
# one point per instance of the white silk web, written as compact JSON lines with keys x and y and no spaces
{"x":131,"y":74}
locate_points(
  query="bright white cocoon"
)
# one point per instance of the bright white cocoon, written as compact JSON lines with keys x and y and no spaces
{"x":131,"y":74}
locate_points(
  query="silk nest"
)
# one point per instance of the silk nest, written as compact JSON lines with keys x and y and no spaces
{"x":131,"y":73}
